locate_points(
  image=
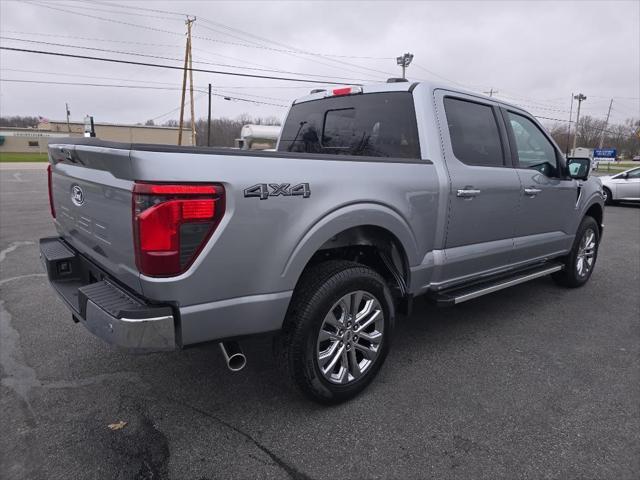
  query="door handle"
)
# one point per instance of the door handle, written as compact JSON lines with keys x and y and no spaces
{"x":467,"y":193}
{"x":532,"y":192}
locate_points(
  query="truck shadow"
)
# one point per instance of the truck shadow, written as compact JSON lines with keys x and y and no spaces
{"x":418,"y":339}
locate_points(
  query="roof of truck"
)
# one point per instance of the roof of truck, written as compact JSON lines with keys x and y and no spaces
{"x":402,"y":87}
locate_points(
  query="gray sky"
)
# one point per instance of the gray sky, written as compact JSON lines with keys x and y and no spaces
{"x":534,"y":53}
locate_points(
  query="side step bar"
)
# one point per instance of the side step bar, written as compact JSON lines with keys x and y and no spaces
{"x":456,"y":295}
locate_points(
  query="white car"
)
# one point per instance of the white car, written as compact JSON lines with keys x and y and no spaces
{"x":623,"y":186}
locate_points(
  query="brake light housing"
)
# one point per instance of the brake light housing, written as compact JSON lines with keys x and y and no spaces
{"x":172,"y":223}
{"x":50,"y":187}
{"x":336,"y":92}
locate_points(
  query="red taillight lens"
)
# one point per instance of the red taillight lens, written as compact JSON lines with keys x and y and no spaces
{"x":49,"y":179}
{"x":172,"y":223}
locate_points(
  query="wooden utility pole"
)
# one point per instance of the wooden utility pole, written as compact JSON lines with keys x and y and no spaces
{"x":491,"y":92}
{"x":606,"y":124}
{"x":187,"y":66}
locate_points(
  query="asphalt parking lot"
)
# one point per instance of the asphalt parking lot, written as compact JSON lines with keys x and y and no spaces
{"x":533,"y":382}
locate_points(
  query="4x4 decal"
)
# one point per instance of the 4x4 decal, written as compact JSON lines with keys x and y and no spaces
{"x":262,"y":191}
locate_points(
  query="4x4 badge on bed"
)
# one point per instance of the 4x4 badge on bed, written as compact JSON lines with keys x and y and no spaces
{"x":262,"y":190}
{"x":77,"y":195}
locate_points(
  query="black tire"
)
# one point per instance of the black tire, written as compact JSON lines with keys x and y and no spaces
{"x":608,"y":200}
{"x":315,"y":296}
{"x":571,"y":276}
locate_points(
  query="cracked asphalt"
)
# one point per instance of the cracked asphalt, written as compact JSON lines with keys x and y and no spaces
{"x":533,"y":382}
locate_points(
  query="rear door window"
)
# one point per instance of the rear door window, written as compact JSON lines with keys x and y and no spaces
{"x":474,"y":134}
{"x":373,"y":124}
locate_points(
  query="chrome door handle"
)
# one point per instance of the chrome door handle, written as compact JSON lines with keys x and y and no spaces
{"x":532,"y":192}
{"x":467,"y":193}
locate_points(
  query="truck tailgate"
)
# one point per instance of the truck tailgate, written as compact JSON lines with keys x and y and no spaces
{"x":92,"y":193}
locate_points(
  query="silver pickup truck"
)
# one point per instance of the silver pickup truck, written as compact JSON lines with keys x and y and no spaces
{"x":374,"y":195}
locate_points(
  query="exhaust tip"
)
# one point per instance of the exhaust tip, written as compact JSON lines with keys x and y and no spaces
{"x":236,"y":362}
{"x":233,"y":355}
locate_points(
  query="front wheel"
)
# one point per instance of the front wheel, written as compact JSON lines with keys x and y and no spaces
{"x":608,"y":198}
{"x":337,"y":331}
{"x":580,"y":262}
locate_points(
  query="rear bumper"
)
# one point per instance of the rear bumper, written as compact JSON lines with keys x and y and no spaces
{"x":106,"y":309}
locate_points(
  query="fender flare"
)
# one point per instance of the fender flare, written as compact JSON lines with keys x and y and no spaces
{"x":344,"y":218}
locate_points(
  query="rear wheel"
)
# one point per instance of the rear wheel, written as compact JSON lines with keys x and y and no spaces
{"x":337,"y":331}
{"x":581,"y":261}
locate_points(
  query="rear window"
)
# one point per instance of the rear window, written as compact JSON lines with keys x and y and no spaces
{"x":474,"y":133}
{"x":374,"y":124}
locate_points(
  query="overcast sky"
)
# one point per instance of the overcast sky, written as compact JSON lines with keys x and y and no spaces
{"x":533,"y":53}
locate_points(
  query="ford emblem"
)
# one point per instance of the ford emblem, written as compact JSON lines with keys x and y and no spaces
{"x":77,"y":195}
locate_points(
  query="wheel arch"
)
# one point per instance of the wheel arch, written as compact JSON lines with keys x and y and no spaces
{"x":371,"y":234}
{"x":596,"y":212}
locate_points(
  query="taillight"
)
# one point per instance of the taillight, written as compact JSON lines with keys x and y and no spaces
{"x":172,"y":223}
{"x":49,"y":184}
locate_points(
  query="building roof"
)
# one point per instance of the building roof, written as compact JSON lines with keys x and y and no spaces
{"x":108,"y":124}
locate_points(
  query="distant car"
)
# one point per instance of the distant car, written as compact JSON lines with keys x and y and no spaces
{"x":623,"y":186}
{"x":636,"y":158}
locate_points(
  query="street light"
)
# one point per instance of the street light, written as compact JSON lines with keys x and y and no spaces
{"x":404,"y":62}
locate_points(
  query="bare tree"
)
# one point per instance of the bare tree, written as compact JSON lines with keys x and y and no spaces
{"x":18,"y":121}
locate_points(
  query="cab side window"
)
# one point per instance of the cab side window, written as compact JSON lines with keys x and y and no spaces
{"x":473,"y":129}
{"x":535,"y":151}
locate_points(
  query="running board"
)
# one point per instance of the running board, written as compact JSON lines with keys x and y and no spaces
{"x":456,"y":295}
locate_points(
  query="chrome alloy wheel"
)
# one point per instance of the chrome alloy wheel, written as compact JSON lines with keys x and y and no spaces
{"x":350,"y":337}
{"x":586,"y":253}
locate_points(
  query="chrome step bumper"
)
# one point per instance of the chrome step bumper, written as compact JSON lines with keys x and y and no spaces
{"x":107,"y":310}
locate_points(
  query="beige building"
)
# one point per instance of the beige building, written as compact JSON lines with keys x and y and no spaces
{"x":35,"y":140}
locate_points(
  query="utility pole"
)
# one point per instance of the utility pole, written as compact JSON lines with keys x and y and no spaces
{"x":66,"y":107}
{"x":580,"y":97}
{"x":606,"y":123}
{"x":209,"y":120}
{"x":566,"y":152}
{"x":404,"y":62}
{"x":491,"y":92}
{"x":187,"y":66}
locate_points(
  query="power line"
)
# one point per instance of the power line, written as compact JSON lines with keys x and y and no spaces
{"x":102,"y":77}
{"x":143,"y":87}
{"x":172,"y":67}
{"x":94,"y":9}
{"x":142,"y":8}
{"x":107,"y":50}
{"x":146,"y":44}
{"x":364,"y":57}
{"x":295,"y":52}
{"x":176,"y":109}
{"x":106,"y":19}
{"x":122,"y":22}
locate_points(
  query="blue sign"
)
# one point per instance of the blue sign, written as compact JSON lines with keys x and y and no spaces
{"x":604,"y":153}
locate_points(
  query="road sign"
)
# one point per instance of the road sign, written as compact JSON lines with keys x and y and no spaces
{"x":604,"y":153}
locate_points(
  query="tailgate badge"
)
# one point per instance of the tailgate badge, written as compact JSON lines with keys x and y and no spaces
{"x":77,"y":195}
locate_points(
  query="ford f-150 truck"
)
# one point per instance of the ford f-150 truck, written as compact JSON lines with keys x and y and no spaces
{"x":374,"y":195}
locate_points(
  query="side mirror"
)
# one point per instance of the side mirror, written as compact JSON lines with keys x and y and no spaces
{"x":579,"y":168}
